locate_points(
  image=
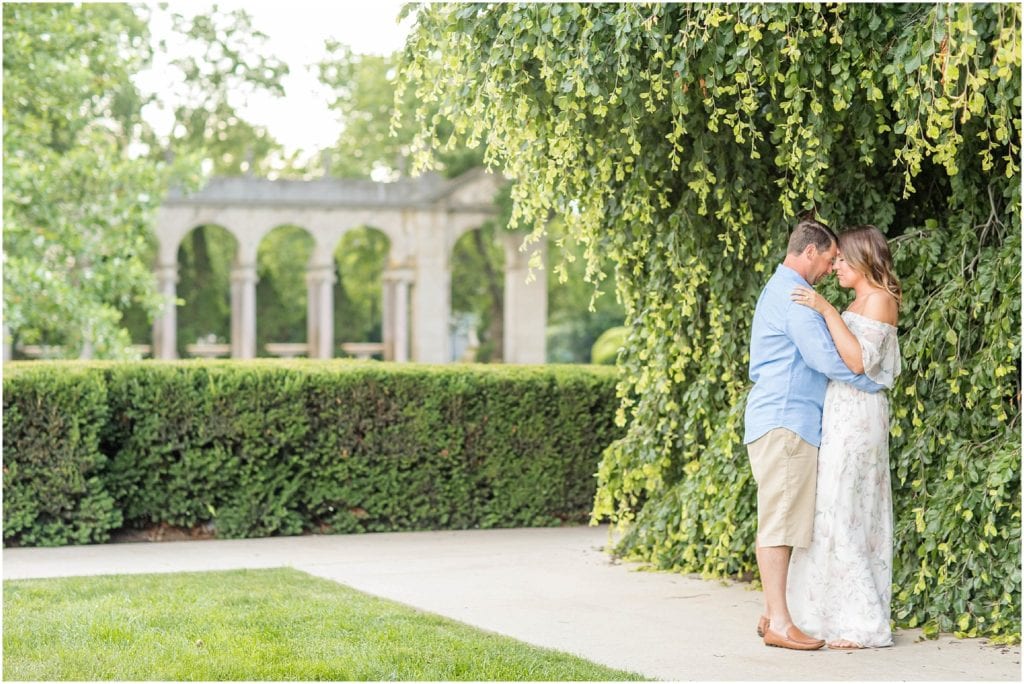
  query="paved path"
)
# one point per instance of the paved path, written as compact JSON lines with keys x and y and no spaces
{"x":552,"y":587}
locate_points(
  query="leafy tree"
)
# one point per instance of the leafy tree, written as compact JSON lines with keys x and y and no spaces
{"x":79,"y":198}
{"x":378,"y":129}
{"x":377,"y":136}
{"x":375,"y":143}
{"x":224,"y":62}
{"x":77,"y":205}
{"x":577,"y":314}
{"x":681,"y":141}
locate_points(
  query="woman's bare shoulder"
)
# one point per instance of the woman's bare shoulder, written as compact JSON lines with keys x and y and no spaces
{"x":881,"y":306}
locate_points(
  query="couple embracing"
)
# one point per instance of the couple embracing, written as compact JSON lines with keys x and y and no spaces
{"x":817,"y":431}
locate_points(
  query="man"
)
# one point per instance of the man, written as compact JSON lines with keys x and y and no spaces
{"x":792,"y":357}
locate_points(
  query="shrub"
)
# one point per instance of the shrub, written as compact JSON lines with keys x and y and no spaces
{"x":54,"y":488}
{"x":272,"y":447}
{"x":606,"y":348}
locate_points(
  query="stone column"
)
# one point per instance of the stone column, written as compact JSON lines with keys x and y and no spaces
{"x":401,"y":320}
{"x":243,"y":311}
{"x":397,"y":282}
{"x":87,"y":348}
{"x":325,"y":319}
{"x":431,"y":310}
{"x":312,"y":316}
{"x":428,"y":247}
{"x":387,"y":313}
{"x":165,"y":327}
{"x":320,"y":281}
{"x":526,"y":304}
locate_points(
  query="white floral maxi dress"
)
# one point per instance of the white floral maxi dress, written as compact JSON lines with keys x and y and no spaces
{"x":840,"y":587}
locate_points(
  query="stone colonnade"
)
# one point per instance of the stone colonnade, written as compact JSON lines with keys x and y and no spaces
{"x":422,"y":218}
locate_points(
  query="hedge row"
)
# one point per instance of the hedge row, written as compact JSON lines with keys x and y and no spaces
{"x":270,"y":447}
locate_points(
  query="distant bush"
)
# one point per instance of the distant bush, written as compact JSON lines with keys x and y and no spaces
{"x":606,"y":348}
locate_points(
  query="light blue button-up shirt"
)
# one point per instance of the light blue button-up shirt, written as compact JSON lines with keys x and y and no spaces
{"x":792,"y":358}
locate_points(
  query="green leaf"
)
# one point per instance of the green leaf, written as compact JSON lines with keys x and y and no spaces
{"x":912,"y":64}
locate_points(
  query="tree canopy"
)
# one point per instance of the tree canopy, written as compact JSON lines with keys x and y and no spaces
{"x":84,"y":172}
{"x":682,"y":141}
{"x":223,"y":62}
{"x":76,"y":204}
{"x":377,"y":137}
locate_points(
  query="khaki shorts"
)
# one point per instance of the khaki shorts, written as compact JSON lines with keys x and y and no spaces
{"x":786,"y":470}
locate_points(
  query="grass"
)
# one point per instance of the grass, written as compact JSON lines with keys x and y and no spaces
{"x":251,"y":625}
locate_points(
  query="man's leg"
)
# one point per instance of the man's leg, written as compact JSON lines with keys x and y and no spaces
{"x":773,"y":562}
{"x":770,"y":463}
{"x":766,"y":613}
{"x":774,"y":458}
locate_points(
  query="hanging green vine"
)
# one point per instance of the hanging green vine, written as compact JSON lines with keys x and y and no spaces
{"x":682,"y":141}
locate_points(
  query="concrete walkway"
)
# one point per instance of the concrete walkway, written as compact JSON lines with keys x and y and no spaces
{"x":552,"y":587}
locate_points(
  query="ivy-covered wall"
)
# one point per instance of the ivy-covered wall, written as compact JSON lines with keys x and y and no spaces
{"x":682,"y":141}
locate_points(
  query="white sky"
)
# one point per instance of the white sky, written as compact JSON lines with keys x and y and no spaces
{"x":296,"y":31}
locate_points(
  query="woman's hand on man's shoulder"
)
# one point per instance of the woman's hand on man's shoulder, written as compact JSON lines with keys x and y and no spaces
{"x":809,"y":298}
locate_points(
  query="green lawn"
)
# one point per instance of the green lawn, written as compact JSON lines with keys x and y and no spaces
{"x":268,"y":624}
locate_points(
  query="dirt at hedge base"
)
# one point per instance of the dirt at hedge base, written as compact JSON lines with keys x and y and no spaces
{"x":162,"y":532}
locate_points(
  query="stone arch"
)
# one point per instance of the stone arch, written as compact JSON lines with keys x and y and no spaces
{"x":524,"y":295}
{"x":422,"y":217}
{"x":478,"y":266}
{"x":203,"y":259}
{"x":282,"y":255}
{"x":362,"y":257}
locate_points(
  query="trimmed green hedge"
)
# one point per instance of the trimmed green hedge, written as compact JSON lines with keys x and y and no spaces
{"x":54,"y":492}
{"x":274,"y":447}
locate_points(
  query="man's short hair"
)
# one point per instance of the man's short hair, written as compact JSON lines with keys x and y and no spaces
{"x":811,"y":232}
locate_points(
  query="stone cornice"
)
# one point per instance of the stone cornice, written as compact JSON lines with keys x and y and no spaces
{"x":428,"y":191}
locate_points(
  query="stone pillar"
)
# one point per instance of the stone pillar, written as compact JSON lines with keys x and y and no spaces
{"x":427,"y":250}
{"x":396,"y":332}
{"x":312,"y":316}
{"x":526,"y":304}
{"x":243,"y":311}
{"x":401,"y":320}
{"x":387,"y":309}
{"x":165,"y":327}
{"x":320,"y":281}
{"x":8,"y":343}
{"x":87,"y":349}
{"x":431,"y":309}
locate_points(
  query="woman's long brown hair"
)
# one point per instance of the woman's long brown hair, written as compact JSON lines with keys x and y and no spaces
{"x":866,"y":250}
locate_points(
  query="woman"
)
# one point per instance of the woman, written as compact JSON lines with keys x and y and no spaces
{"x":840,"y":587}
